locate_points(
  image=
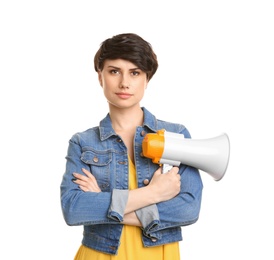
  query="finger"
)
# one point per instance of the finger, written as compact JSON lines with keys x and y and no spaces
{"x":80,"y":176}
{"x":174,"y":170}
{"x":80,"y":182}
{"x":88,"y":173}
{"x":87,"y":186}
{"x":83,"y":188}
{"x":89,"y":182}
{"x":158,"y":171}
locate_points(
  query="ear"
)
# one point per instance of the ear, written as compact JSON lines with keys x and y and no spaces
{"x":100,"y":78}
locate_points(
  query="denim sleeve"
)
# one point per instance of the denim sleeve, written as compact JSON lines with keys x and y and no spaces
{"x":148,"y":216}
{"x":79,"y":207}
{"x":118,"y":204}
{"x":183,"y":209}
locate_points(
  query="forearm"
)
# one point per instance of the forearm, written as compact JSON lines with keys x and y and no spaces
{"x":140,"y":198}
{"x":131,"y":219}
{"x":162,"y":187}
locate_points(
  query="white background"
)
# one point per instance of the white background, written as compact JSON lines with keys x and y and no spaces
{"x":216,"y":66}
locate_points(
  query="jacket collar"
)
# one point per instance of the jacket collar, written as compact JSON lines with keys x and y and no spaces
{"x":106,"y":130}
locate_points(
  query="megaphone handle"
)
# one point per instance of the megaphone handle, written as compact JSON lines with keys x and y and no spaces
{"x":166,"y":167}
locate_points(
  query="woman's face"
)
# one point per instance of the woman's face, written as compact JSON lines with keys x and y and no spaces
{"x":123,"y":83}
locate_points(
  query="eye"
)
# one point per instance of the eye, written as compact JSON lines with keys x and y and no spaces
{"x":135,"y":73}
{"x":113,"y":71}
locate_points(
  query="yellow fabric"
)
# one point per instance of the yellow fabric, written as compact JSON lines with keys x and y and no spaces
{"x":131,"y":247}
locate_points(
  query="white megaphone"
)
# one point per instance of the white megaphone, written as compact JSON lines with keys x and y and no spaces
{"x":209,"y":155}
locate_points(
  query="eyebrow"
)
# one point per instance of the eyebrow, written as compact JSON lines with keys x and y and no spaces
{"x":117,"y":68}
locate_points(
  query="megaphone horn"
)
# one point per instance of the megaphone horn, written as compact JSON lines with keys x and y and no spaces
{"x":209,"y":155}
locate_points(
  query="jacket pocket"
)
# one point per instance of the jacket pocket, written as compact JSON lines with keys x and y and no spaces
{"x":97,"y":158}
{"x":100,"y":166}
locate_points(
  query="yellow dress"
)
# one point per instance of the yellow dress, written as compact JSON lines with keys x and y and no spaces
{"x":131,"y":246}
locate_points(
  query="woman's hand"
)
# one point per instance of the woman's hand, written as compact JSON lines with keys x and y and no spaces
{"x":166,"y":186}
{"x":86,"y":183}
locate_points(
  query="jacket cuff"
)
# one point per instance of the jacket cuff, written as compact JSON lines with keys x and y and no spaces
{"x":149,"y":217}
{"x":118,"y":204}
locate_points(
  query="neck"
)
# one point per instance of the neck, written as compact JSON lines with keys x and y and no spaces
{"x":126,"y":119}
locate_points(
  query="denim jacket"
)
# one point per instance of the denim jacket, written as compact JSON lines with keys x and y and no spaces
{"x":101,"y":151}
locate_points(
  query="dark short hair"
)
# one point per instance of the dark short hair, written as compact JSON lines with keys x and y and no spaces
{"x":130,"y":47}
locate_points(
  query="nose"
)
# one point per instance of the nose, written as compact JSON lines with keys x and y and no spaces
{"x":125,"y":82}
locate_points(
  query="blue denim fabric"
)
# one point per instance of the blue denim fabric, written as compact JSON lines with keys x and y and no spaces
{"x":101,"y":151}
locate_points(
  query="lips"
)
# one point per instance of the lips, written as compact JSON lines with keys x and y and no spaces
{"x":123,"y":95}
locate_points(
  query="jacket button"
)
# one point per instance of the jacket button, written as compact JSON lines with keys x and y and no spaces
{"x":95,"y":159}
{"x":143,"y":133}
{"x":146,"y":181}
{"x":122,"y":162}
{"x":154,"y":239}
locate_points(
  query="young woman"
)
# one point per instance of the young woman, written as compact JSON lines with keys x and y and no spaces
{"x":128,"y":208}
